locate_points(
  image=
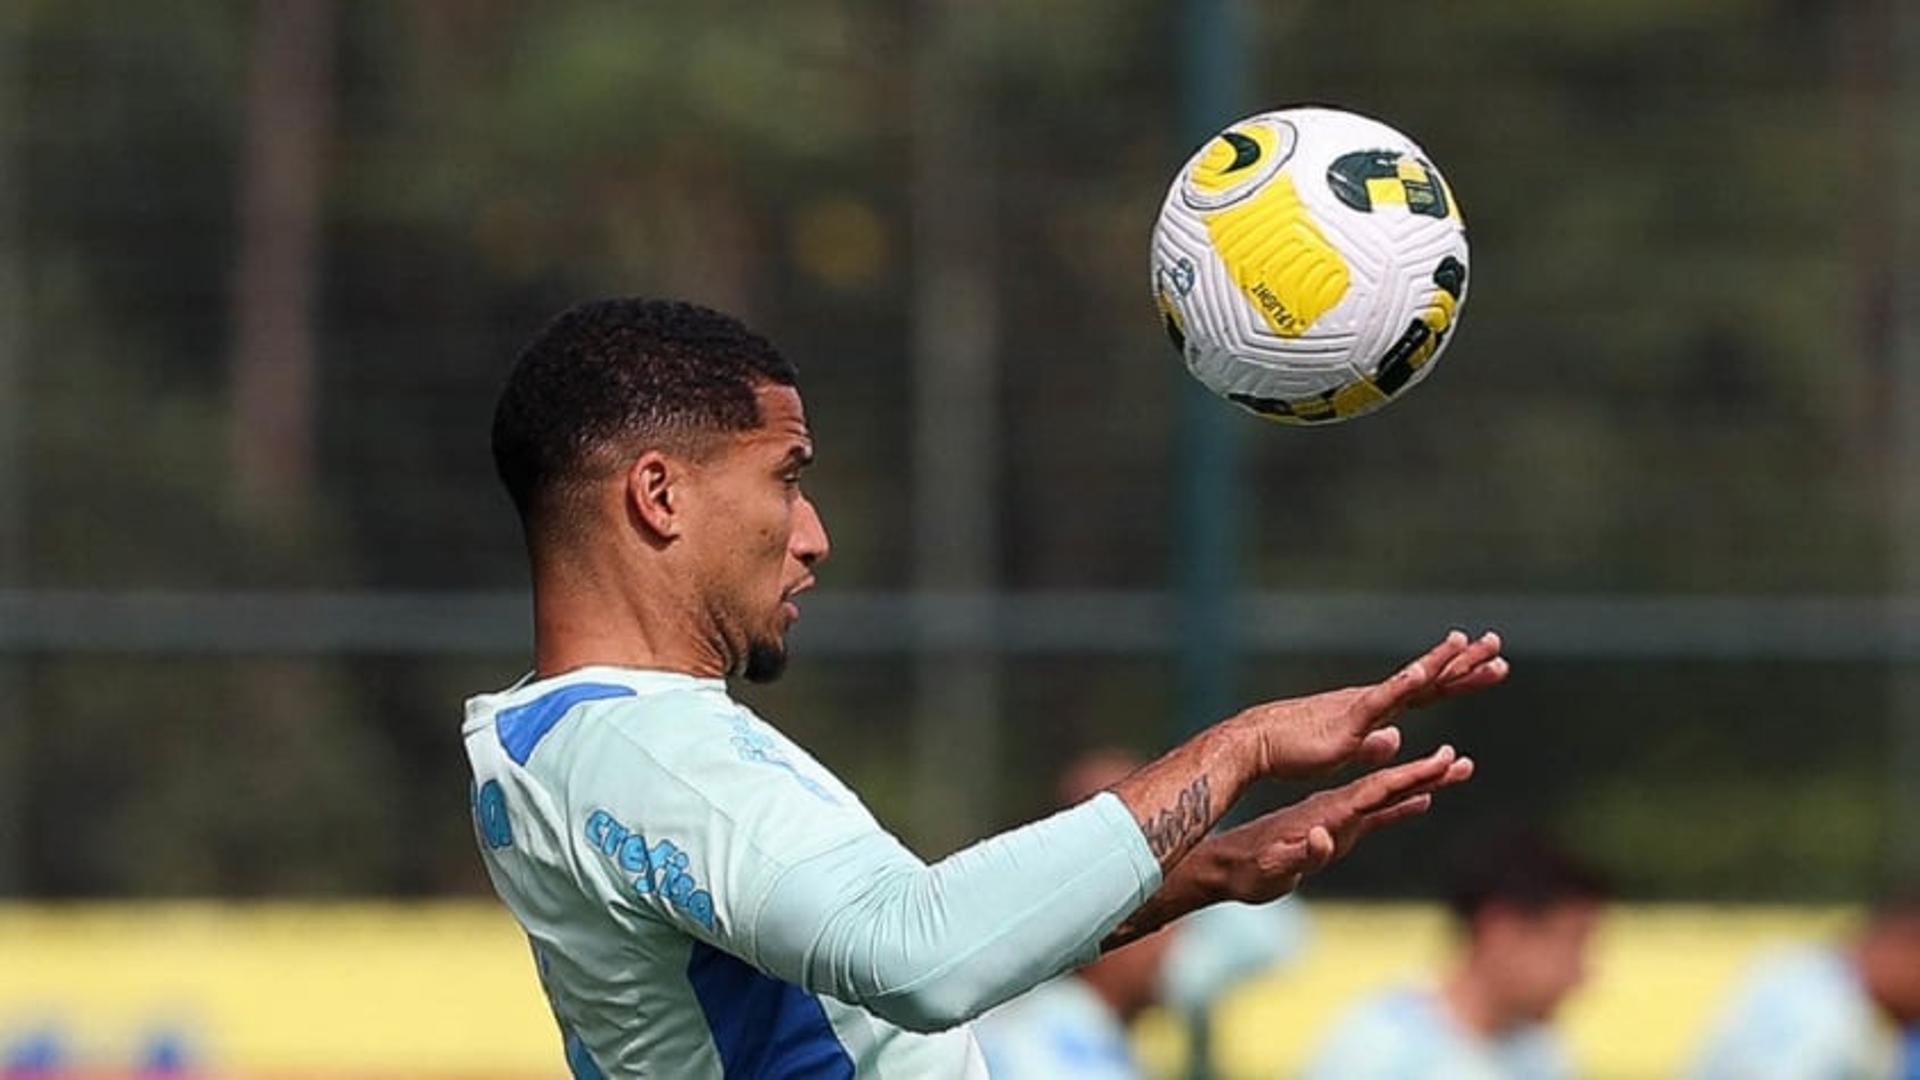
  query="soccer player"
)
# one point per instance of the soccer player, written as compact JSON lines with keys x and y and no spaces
{"x":704,"y":898}
{"x":1527,"y":913}
{"x":1824,"y":1010}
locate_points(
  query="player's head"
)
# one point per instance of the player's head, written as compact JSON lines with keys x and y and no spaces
{"x":664,"y":432}
{"x":1528,"y":911}
{"x":1889,"y":956}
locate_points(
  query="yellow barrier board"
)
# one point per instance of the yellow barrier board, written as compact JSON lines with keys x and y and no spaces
{"x":447,"y":989}
{"x":1658,"y":975}
{"x":281,"y":990}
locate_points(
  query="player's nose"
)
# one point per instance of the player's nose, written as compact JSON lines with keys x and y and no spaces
{"x":809,"y":543}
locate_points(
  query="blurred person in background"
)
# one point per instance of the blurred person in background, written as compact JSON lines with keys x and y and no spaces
{"x":703,"y":897}
{"x":1526,"y":912}
{"x":1824,"y":1011}
{"x":1076,"y":1027}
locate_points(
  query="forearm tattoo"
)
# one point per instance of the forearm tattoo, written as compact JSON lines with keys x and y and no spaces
{"x":1186,"y":820}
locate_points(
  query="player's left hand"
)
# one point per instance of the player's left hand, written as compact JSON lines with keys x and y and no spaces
{"x":1266,"y":858}
{"x":1309,"y":735}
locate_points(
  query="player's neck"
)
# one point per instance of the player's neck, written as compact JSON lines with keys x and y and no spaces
{"x":583,"y":618}
{"x":1473,"y":1004}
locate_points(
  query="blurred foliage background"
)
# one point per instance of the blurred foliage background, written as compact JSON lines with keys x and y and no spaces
{"x":267,"y":265}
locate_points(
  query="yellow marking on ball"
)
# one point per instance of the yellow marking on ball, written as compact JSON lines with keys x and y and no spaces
{"x":1312,"y":408}
{"x":1387,"y":191}
{"x":1168,"y":311}
{"x":1221,"y":165}
{"x":1453,"y":203}
{"x":1172,"y":314}
{"x":1357,"y":397}
{"x":1438,"y":316}
{"x":1278,"y":257}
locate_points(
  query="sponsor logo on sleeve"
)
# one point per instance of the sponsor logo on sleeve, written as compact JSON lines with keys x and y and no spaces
{"x":758,"y":746}
{"x":656,"y":868}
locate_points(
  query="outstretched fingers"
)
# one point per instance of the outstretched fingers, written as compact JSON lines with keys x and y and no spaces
{"x":1456,"y":665}
{"x":1410,"y":792}
{"x":1443,"y":653}
{"x":1423,"y":775}
{"x":1411,"y":806}
{"x":1412,"y":684}
{"x":1491,"y":673}
{"x":1304,"y":838}
{"x":1478,"y":651}
{"x":1475,"y":667}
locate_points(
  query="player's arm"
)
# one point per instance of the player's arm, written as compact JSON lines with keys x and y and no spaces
{"x":1178,"y":798}
{"x":928,"y":947}
{"x":1265,"y":859}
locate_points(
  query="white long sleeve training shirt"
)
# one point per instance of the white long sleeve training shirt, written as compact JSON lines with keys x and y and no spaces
{"x":705,"y":899}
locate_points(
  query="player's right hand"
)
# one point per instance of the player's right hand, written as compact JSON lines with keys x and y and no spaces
{"x":1266,"y":858}
{"x":1304,"y":736}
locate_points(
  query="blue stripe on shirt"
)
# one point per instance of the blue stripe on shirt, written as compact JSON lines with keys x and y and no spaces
{"x":580,"y":1063}
{"x":761,"y":1026}
{"x":523,"y":726}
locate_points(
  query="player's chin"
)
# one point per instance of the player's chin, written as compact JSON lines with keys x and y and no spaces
{"x":766,"y":660}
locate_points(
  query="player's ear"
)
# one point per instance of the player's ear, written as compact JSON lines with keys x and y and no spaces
{"x":653,"y":494}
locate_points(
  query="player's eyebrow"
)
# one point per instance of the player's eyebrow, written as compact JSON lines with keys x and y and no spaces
{"x":799,"y":455}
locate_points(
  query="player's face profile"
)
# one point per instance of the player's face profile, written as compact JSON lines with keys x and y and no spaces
{"x":768,"y":536}
{"x":1544,"y":954}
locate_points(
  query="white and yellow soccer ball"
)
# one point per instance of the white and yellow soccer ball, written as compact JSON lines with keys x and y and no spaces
{"x":1310,"y":264}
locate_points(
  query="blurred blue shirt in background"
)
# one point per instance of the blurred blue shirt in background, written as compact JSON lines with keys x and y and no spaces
{"x":1407,"y":1034}
{"x":1800,"y":1013}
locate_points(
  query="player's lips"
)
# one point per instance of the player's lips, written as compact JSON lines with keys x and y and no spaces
{"x":787,"y":605}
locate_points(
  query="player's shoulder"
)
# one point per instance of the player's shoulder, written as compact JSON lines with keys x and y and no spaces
{"x":587,"y":706}
{"x":1804,"y":964}
{"x":1382,"y":1034}
{"x":1807,"y":990}
{"x":625,"y":725}
{"x":1398,"y":1008}
{"x":1797,"y":1011}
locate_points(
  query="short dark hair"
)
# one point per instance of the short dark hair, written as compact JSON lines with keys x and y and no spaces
{"x":1522,"y":871}
{"x":606,"y":378}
